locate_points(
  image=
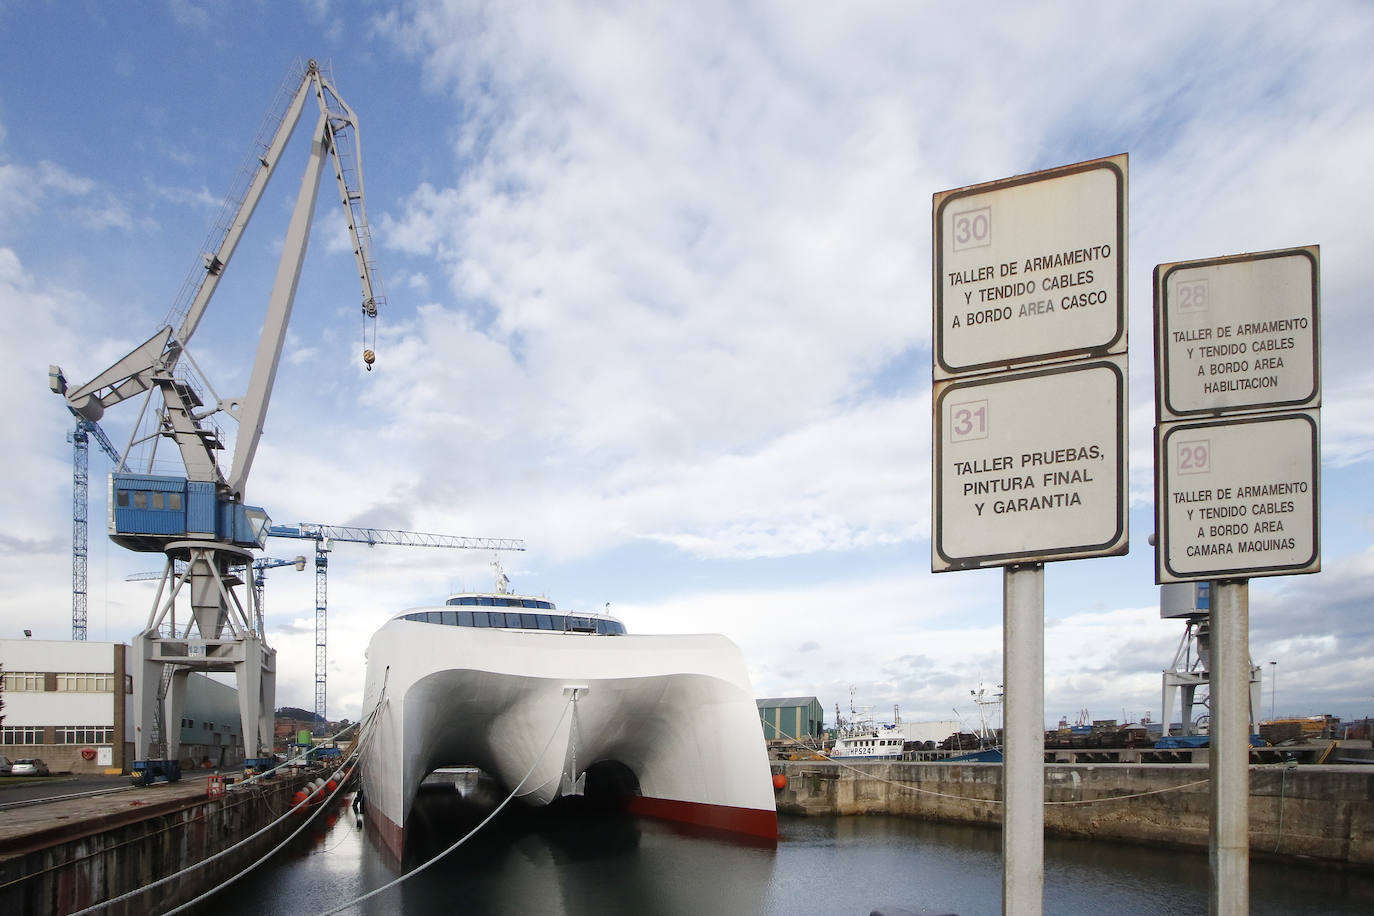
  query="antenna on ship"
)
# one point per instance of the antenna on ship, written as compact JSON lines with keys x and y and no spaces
{"x":502,"y":583}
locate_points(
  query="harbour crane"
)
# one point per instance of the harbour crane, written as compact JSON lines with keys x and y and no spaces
{"x":323,"y":536}
{"x":260,"y":567}
{"x":201,"y":517}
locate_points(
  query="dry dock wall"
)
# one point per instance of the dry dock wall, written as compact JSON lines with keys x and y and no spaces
{"x":82,"y":861}
{"x":1315,"y":812}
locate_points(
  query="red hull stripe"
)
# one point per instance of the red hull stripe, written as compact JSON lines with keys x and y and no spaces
{"x":751,"y":821}
{"x":390,"y":835}
{"x":754,"y":822}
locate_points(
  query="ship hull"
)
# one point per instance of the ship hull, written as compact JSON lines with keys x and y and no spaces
{"x":667,"y":722}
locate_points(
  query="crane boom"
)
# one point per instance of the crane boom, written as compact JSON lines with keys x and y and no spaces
{"x":322,"y":535}
{"x":154,"y":363}
{"x":374,"y":536}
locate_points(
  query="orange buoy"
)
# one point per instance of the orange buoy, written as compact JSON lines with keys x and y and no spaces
{"x":779,"y":781}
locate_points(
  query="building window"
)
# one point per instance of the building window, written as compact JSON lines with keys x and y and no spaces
{"x":24,"y":680}
{"x":85,"y":734}
{"x":21,"y":734}
{"x":85,"y":682}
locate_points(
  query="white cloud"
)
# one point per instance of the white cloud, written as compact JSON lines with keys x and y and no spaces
{"x":660,"y":288}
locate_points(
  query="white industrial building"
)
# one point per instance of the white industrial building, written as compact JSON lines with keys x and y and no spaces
{"x":70,"y":704}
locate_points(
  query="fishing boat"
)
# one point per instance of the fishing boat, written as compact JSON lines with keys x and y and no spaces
{"x":553,"y":704}
{"x":860,"y":736}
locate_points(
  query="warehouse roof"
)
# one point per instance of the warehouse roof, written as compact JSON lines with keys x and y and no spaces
{"x":774,"y":702}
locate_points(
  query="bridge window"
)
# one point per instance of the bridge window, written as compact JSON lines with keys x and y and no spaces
{"x":512,"y":620}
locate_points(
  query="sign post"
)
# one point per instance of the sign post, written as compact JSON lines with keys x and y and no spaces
{"x":1228,"y":762}
{"x":1029,"y":406}
{"x":1237,"y":405}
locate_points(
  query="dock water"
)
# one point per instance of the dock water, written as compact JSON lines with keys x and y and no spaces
{"x":64,"y":855}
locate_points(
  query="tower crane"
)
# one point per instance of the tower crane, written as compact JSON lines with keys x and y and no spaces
{"x":201,"y":517}
{"x":81,"y":437}
{"x":323,"y":535}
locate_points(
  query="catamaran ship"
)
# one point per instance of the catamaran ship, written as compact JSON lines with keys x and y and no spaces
{"x":552,"y":704}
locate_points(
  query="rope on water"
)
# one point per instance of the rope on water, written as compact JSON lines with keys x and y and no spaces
{"x":467,"y":836}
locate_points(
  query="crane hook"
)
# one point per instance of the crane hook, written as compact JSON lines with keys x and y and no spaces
{"x":368,"y":359}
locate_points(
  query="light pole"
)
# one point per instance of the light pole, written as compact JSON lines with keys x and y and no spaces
{"x":1273,"y":686}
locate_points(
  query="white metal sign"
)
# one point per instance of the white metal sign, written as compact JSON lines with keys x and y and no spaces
{"x":1031,"y":269}
{"x":1238,"y":497}
{"x":1030,"y":466}
{"x":1237,"y":334}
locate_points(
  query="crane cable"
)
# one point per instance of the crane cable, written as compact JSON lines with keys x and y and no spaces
{"x":467,"y":836}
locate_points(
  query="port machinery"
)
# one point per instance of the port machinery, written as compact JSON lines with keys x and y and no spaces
{"x":200,"y":519}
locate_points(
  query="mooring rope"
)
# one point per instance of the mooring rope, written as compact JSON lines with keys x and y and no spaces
{"x":95,"y":907}
{"x":305,"y":823}
{"x":467,"y":836}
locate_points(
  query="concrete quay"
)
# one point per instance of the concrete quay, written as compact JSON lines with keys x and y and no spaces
{"x":61,"y":856}
{"x":1322,"y":813}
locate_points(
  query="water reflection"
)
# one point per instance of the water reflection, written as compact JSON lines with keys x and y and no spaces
{"x":577,"y":860}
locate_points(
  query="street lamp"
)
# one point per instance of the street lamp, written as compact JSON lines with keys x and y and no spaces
{"x":1273,"y":686}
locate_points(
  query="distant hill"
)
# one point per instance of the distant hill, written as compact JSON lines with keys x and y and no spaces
{"x":295,"y":712}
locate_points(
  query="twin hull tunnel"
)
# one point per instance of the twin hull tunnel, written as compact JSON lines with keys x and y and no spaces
{"x":665,"y":725}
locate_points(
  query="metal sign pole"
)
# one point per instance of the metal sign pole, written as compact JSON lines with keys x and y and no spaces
{"x":1229,"y":759}
{"x":1023,"y":736}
